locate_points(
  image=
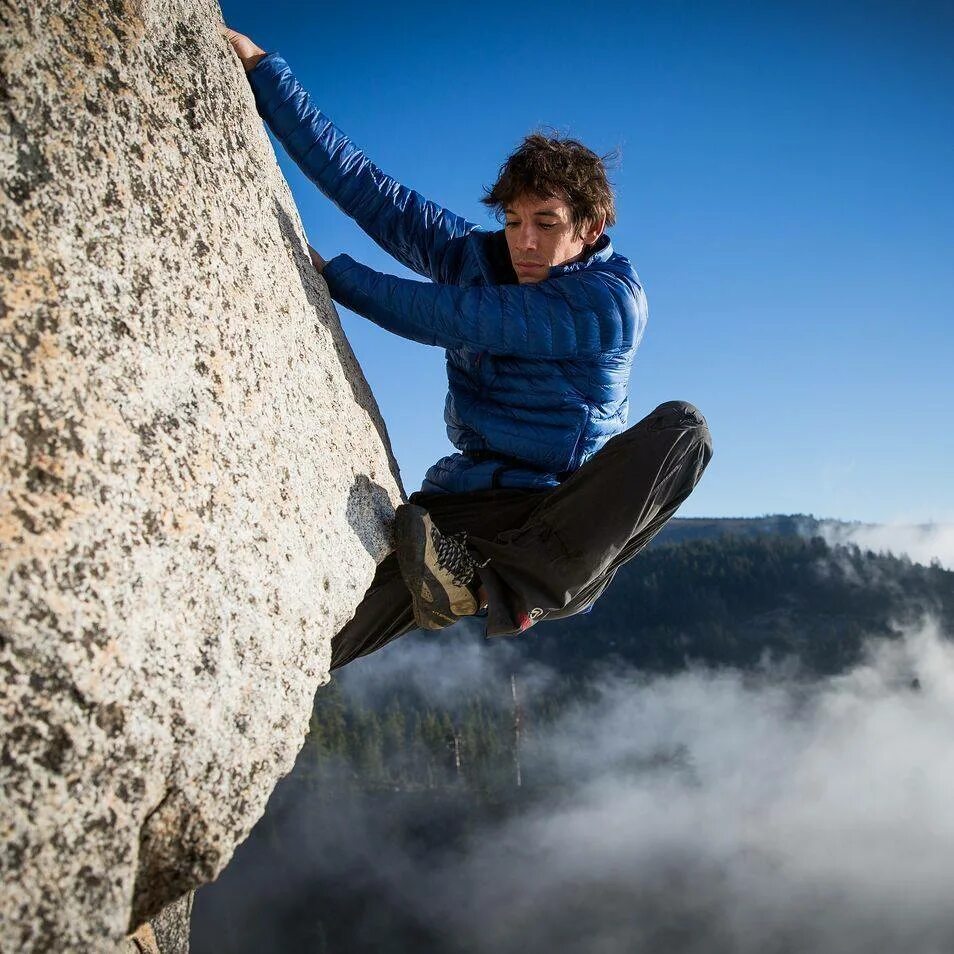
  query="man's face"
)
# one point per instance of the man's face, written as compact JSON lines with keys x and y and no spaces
{"x":539,"y":236}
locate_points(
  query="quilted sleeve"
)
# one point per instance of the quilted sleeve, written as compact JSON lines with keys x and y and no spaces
{"x":575,"y":315}
{"x":418,"y":233}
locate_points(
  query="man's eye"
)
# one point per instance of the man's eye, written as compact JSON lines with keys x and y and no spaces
{"x":510,"y":224}
{"x":547,"y":227}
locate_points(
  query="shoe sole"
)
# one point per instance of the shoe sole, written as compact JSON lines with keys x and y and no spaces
{"x":411,"y":534}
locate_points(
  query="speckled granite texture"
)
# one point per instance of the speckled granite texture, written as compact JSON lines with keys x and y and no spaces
{"x":166,"y":933}
{"x":195,"y":482}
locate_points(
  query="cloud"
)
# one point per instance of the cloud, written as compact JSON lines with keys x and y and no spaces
{"x":443,"y":668}
{"x":709,"y":811}
{"x":922,"y":543}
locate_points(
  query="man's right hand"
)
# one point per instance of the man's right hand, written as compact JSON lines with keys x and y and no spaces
{"x":244,"y":48}
{"x":317,"y":260}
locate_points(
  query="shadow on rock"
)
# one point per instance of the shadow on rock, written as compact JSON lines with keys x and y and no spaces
{"x":369,"y":512}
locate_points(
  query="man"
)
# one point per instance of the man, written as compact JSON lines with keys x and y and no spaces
{"x":548,"y":495}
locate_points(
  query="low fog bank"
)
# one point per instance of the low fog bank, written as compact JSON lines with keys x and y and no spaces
{"x":715,"y":811}
{"x":921,"y":543}
{"x":707,"y":811}
{"x":444,"y":667}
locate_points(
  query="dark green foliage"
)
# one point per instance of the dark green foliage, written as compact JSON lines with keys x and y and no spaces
{"x":405,"y":743}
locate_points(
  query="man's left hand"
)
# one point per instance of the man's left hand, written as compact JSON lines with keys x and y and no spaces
{"x":245,"y":49}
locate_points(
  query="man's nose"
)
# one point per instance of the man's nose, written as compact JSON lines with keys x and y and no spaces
{"x":526,"y":238}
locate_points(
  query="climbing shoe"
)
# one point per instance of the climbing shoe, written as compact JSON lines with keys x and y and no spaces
{"x":438,"y":569}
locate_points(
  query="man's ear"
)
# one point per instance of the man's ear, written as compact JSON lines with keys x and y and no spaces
{"x":592,"y":231}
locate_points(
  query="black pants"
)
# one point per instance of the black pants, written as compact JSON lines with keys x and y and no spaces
{"x":551,"y":552}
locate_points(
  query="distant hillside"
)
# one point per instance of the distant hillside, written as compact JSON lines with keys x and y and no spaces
{"x":734,"y":599}
{"x":679,"y":530}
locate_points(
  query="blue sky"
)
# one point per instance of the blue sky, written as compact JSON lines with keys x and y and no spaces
{"x":784,"y":190}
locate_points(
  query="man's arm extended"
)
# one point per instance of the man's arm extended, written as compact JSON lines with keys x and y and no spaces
{"x":571,"y":316}
{"x":415,"y":231}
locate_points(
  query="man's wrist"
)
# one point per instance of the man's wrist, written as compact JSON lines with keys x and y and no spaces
{"x":250,"y":62}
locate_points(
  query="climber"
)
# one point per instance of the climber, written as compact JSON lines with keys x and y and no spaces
{"x":548,"y":494}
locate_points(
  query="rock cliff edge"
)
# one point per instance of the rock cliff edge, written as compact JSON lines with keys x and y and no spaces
{"x":195,"y":482}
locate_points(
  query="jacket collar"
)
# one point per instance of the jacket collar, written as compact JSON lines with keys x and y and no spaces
{"x":503,"y":270}
{"x":600,"y":252}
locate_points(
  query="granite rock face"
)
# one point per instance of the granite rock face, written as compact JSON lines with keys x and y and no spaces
{"x":166,"y":933}
{"x":195,"y":483}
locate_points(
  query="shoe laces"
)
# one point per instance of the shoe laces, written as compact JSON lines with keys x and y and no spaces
{"x":453,"y":557}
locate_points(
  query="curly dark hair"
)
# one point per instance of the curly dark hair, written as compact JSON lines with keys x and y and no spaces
{"x":551,"y":166}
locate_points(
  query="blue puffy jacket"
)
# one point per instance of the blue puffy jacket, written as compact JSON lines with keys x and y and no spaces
{"x":537,"y":373}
